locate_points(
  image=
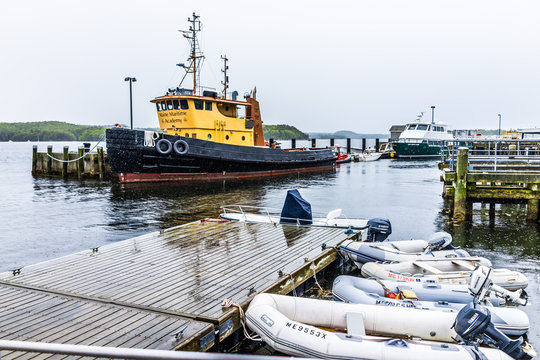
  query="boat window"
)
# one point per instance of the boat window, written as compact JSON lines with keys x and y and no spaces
{"x":169,"y":105}
{"x":187,"y":134}
{"x":208,"y":105}
{"x":422,"y":127}
{"x":226,"y":137}
{"x":412,"y":127}
{"x":209,"y":136}
{"x":198,"y":104}
{"x":158,"y":106}
{"x":243,"y":138}
{"x":176,"y":104}
{"x":163,"y":106}
{"x":429,"y":128}
{"x":184,"y":104}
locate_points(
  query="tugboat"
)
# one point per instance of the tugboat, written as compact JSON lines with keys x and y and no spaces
{"x":205,"y":136}
{"x":422,"y":139}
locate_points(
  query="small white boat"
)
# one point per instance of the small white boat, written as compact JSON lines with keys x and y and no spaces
{"x":427,"y":296}
{"x":367,"y":156}
{"x":295,"y":210}
{"x":438,"y":246}
{"x":455,"y":271}
{"x":293,"y":326}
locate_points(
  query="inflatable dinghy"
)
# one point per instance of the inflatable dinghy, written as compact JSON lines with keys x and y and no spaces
{"x":404,"y":250}
{"x":427,"y":296}
{"x":292,"y":325}
{"x":455,"y":271}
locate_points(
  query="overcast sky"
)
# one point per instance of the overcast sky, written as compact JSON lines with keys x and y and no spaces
{"x":318,"y":65}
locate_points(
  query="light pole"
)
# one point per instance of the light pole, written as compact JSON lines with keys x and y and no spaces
{"x":499,"y":124}
{"x":131,"y":80}
{"x":432,"y":114}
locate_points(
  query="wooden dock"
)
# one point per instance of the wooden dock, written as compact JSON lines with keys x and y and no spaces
{"x":81,"y":164}
{"x":162,"y":290}
{"x":511,"y":180}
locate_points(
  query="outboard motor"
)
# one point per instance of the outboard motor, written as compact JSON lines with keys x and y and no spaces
{"x":473,"y":324}
{"x":378,"y":229}
{"x":440,"y":241}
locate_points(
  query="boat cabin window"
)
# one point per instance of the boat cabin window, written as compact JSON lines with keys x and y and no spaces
{"x":411,"y":127}
{"x":163,"y":106}
{"x":422,"y":127}
{"x":176,"y":104}
{"x":208,"y":105}
{"x":169,"y":105}
{"x":198,"y":104}
{"x":184,"y":104}
{"x":158,"y":106}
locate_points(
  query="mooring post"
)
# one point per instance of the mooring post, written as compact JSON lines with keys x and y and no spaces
{"x":363,"y":144}
{"x":377,"y":144}
{"x":49,"y":159}
{"x":313,"y":143}
{"x":491,"y":213}
{"x":348,"y":145}
{"x":331,"y":142}
{"x":293,"y":143}
{"x":100,"y":161}
{"x":34,"y":159}
{"x":460,"y":194}
{"x":532,"y":205}
{"x":80,"y":162}
{"x":65,"y":163}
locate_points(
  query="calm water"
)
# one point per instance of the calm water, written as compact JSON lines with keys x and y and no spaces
{"x":47,"y":218}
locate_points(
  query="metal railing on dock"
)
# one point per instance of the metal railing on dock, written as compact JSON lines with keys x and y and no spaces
{"x":491,"y":178}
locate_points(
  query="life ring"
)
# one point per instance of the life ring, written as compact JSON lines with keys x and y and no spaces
{"x":167,"y":144}
{"x":180,"y":147}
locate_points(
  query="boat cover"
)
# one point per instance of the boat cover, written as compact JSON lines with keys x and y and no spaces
{"x":294,"y":208}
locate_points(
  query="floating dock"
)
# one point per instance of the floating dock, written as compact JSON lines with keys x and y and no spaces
{"x":162,"y":290}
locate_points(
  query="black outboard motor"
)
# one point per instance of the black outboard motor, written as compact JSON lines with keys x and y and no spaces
{"x":473,"y":324}
{"x":378,"y":229}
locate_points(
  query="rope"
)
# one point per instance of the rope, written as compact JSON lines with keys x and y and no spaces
{"x":228,"y":303}
{"x":79,"y":158}
{"x":150,"y":138}
{"x":293,"y":286}
{"x":315,"y":276}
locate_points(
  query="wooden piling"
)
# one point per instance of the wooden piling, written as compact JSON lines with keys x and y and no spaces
{"x":49,"y":159}
{"x":532,"y":205}
{"x":80,"y":162}
{"x":377,"y":144}
{"x":348,"y":145}
{"x":363,"y":144}
{"x":101,"y":162}
{"x":293,"y":143}
{"x":460,"y":195}
{"x":34,"y":159}
{"x":65,"y":163}
{"x":313,"y":143}
{"x":332,"y":142}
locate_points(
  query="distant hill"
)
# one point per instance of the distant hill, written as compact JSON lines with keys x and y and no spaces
{"x":50,"y":131}
{"x":346,"y":134}
{"x":283,"y":132}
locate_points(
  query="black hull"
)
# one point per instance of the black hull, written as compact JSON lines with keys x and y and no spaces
{"x":128,"y":154}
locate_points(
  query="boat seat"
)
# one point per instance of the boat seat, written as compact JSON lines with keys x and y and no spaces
{"x":427,"y":267}
{"x":355,"y":324}
{"x":464,"y":264}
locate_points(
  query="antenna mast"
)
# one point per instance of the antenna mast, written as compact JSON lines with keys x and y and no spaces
{"x":196,"y":56}
{"x":225,"y":81}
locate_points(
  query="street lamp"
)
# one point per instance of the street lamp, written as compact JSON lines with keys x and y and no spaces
{"x":131,"y":80}
{"x":499,"y":115}
{"x":432,"y":114}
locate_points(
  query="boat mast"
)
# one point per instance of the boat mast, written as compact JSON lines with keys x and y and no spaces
{"x":196,"y":56}
{"x":225,"y":81}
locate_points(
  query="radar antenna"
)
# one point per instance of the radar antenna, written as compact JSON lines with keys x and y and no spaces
{"x":196,"y":57}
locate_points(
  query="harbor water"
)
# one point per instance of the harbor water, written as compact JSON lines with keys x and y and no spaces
{"x":47,"y":218}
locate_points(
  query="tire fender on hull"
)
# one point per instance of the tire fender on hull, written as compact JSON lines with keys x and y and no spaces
{"x":164,"y":147}
{"x":181,"y":147}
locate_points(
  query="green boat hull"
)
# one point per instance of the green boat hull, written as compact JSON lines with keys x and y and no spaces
{"x":417,"y":150}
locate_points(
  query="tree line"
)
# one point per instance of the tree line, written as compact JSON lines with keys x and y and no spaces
{"x":50,"y":131}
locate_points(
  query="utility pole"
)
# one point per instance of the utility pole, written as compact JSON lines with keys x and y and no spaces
{"x":225,"y":81}
{"x":131,"y":80}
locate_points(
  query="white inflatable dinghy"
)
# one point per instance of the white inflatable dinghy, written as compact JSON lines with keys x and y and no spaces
{"x":428,"y":296}
{"x":293,"y":326}
{"x":455,"y":271}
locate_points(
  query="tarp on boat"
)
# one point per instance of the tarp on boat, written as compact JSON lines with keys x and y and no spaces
{"x":295,"y":207}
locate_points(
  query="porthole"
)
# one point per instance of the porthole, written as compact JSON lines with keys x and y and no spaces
{"x":187,"y":134}
{"x":226,"y":137}
{"x":209,"y":136}
{"x":243,"y":138}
